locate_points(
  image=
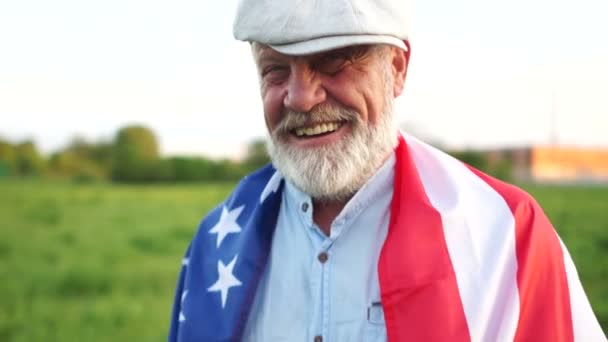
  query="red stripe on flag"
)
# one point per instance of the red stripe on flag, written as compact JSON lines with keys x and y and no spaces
{"x":418,"y":286}
{"x":544,"y":297}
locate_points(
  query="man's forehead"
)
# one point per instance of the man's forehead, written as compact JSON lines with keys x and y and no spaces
{"x":263,"y":52}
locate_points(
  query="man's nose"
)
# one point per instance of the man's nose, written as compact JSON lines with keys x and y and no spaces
{"x":304,"y":91}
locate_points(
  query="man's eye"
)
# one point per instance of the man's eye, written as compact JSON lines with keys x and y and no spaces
{"x":331,"y":65}
{"x":274,"y":71}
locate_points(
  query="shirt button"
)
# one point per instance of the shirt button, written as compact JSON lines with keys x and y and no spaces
{"x":322,"y":257}
{"x":318,"y":338}
{"x":304,"y":207}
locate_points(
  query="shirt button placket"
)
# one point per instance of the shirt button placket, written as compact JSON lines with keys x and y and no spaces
{"x":323,"y":257}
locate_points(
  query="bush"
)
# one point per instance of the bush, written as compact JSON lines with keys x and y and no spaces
{"x":191,"y":169}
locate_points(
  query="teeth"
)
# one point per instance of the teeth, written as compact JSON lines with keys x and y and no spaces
{"x":317,"y":129}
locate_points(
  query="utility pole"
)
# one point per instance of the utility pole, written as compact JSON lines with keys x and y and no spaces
{"x":553,"y":138}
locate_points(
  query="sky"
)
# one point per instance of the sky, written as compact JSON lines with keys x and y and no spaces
{"x":483,"y":73}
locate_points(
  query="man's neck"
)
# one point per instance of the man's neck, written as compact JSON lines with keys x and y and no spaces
{"x":324,"y":213}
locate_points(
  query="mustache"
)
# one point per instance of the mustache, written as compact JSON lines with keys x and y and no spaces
{"x":319,"y":114}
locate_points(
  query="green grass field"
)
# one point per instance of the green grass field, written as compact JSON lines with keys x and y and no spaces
{"x":99,"y":262}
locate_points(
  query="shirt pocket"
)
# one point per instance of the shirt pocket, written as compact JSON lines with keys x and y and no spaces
{"x":375,"y":330}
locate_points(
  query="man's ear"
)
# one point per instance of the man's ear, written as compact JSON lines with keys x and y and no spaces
{"x":400,"y":60}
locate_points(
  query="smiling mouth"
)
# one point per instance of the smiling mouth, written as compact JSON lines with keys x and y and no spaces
{"x":317,"y":129}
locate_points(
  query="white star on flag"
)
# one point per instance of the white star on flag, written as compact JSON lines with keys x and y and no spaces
{"x":271,"y":186}
{"x":227,"y":224}
{"x":225,"y":281}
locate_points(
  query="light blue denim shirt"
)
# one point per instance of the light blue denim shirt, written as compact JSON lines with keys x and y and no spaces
{"x":319,"y":286}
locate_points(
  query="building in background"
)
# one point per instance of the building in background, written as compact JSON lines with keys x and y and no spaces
{"x":569,"y":164}
{"x":552,"y":164}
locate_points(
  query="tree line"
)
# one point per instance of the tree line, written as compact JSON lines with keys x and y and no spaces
{"x":132,"y":156}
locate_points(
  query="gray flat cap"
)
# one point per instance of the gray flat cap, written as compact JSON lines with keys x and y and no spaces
{"x":301,"y":27}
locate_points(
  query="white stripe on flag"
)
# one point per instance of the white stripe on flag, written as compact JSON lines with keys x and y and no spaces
{"x":479,"y":230}
{"x":584,"y":324}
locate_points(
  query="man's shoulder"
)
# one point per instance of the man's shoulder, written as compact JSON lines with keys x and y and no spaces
{"x":460,"y":191}
{"x":514,"y":196}
{"x":256,"y":180}
{"x":251,"y":190}
{"x":441,"y":172}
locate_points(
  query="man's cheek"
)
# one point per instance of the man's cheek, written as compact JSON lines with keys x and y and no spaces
{"x":272,"y":110}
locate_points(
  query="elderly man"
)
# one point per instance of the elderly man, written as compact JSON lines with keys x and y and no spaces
{"x":357,"y":232}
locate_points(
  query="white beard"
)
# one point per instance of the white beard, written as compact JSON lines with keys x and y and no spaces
{"x":337,"y":171}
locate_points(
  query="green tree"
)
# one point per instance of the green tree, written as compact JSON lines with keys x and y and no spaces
{"x":135,"y":154}
{"x":256,"y":155}
{"x":8,"y":158}
{"x":192,"y":168}
{"x":228,"y":170}
{"x":69,"y":164}
{"x":95,"y":155}
{"x":100,"y":151}
{"x":63,"y":163}
{"x":101,"y":154}
{"x":29,"y":160}
{"x":475,"y":159}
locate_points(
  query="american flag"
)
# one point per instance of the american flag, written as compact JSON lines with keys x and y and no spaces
{"x":467,"y":258}
{"x":225,"y":261}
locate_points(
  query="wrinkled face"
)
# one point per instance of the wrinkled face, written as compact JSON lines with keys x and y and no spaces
{"x":329,"y":115}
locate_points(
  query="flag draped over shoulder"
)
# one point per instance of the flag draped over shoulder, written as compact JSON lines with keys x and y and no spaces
{"x":467,"y":258}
